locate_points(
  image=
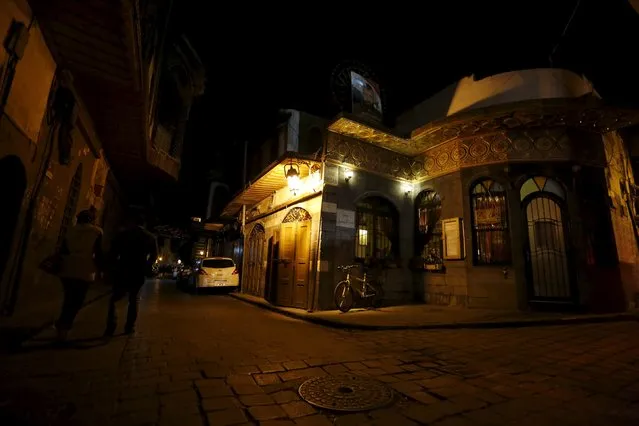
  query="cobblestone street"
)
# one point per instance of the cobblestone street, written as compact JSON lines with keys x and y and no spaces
{"x":213,"y":360}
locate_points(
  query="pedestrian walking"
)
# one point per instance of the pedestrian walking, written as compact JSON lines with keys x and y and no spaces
{"x":133,"y":254}
{"x":80,"y":261}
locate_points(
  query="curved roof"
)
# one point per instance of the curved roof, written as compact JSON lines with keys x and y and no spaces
{"x":505,"y":88}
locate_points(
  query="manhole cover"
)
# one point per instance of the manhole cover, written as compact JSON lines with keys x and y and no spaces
{"x":345,"y":393}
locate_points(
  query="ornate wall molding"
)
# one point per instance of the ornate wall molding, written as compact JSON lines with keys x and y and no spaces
{"x":541,"y":144}
{"x":586,"y":113}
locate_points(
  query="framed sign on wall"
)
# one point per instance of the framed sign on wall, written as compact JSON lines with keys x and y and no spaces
{"x":453,"y":236}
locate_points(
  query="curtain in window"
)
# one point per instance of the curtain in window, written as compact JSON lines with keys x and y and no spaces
{"x":490,"y":223}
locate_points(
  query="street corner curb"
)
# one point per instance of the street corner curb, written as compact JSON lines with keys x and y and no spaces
{"x":542,"y":322}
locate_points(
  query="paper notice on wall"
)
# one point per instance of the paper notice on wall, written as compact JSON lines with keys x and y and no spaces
{"x":329,"y":207}
{"x":346,"y":218}
{"x":453,"y":248}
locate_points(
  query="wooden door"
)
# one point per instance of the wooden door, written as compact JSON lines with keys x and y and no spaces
{"x":286,"y":264}
{"x":268,"y":281}
{"x":302,"y":248}
{"x":259,"y":268}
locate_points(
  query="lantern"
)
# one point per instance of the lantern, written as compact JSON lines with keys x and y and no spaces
{"x":292,"y":173}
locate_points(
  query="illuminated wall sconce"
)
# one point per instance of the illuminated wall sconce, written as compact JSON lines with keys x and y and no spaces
{"x":201,"y":253}
{"x":316,"y":178}
{"x":407,"y":188}
{"x":348,"y":174}
{"x":292,"y":173}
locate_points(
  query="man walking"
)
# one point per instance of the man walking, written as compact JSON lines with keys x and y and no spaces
{"x":133,"y":253}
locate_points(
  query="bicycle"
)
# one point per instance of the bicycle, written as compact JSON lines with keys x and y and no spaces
{"x":344,"y":290}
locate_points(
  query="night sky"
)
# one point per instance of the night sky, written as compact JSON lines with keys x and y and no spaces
{"x":261,"y":59}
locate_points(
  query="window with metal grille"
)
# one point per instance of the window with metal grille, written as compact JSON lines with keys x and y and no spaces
{"x":429,"y":227}
{"x":491,"y":237}
{"x":72,"y":203}
{"x":376,"y":235}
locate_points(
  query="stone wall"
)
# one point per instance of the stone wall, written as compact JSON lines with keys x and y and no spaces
{"x":620,"y":179}
{"x":26,"y":139}
{"x":338,"y":233}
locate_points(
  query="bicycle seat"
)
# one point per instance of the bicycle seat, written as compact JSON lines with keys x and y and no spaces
{"x":347,"y":267}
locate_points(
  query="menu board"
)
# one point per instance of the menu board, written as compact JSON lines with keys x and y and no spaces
{"x":453,"y":234}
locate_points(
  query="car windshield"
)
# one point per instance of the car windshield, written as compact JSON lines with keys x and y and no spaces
{"x":218,"y":263}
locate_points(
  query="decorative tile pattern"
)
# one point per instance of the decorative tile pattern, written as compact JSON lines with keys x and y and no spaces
{"x":582,"y":113}
{"x":540,"y":144}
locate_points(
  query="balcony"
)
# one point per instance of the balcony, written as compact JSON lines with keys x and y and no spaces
{"x":113,"y":49}
{"x":159,"y":156}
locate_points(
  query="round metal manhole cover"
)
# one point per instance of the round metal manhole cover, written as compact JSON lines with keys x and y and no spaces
{"x":345,"y":393}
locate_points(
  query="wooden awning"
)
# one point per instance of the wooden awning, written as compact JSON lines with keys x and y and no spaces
{"x":270,"y":180}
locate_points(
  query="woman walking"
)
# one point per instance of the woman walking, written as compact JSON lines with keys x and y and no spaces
{"x":81,"y":260}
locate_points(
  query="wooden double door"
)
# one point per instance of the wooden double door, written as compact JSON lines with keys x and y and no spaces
{"x":254,"y":261}
{"x":293,"y":262}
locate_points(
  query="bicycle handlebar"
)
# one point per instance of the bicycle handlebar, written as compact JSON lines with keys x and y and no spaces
{"x":347,"y":267}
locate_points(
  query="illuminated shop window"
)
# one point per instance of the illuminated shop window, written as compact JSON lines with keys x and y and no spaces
{"x":376,"y":235}
{"x":429,"y":227}
{"x":491,"y":237}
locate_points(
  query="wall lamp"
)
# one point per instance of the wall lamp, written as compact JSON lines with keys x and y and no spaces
{"x":407,"y":188}
{"x":348,"y":174}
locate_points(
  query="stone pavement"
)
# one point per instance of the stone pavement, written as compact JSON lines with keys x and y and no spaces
{"x":213,"y":360}
{"x":422,"y":316}
{"x":37,"y":312}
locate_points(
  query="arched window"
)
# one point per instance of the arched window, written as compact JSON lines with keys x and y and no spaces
{"x":543,"y":184}
{"x":491,"y":237}
{"x":376,"y":229}
{"x":429,"y":227}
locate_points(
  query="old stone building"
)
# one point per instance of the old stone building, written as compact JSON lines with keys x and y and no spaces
{"x":514,"y":191}
{"x":79,"y":128}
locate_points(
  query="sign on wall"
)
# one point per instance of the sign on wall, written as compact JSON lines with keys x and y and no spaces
{"x":346,"y":218}
{"x":366,"y":97}
{"x":453,"y":234}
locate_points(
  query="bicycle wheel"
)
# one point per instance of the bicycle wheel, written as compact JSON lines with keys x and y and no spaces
{"x":343,"y":296}
{"x":378,"y":299}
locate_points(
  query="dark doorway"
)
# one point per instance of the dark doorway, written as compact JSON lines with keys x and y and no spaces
{"x":547,"y":242}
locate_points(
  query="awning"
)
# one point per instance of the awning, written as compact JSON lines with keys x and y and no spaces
{"x":215,"y":227}
{"x":270,"y":180}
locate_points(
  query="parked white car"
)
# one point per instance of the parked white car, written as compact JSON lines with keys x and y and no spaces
{"x":216,"y":272}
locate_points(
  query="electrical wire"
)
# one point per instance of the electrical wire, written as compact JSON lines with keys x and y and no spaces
{"x":563,"y":33}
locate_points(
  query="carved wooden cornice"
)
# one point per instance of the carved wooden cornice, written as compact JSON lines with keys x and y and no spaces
{"x":534,"y":144}
{"x":587,"y":113}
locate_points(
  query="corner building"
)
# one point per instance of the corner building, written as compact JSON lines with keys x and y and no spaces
{"x":512,"y":192}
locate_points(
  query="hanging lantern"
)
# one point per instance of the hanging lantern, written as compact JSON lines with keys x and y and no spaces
{"x":292,"y":173}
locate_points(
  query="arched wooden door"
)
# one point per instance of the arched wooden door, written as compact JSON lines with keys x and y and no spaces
{"x":254,"y":269}
{"x":12,"y":187}
{"x":547,"y":239}
{"x":293,"y":266}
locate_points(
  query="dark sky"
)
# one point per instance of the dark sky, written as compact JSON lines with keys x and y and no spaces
{"x":261,"y":59}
